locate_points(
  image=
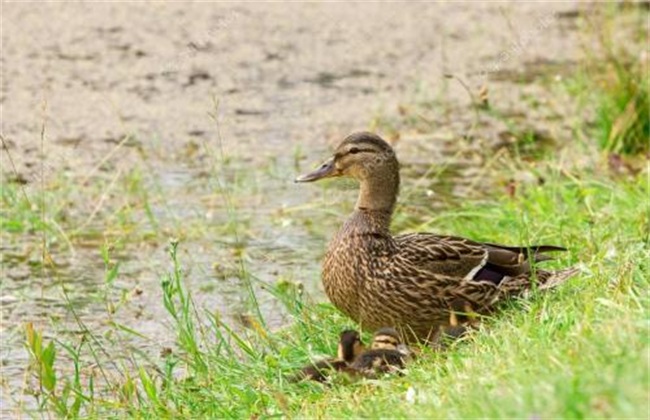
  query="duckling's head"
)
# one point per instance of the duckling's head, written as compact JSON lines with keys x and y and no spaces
{"x":386,"y":338}
{"x":360,"y":156}
{"x":350,"y":345}
{"x":367,"y":158}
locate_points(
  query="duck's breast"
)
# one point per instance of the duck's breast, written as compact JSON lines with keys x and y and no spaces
{"x":342,"y":275}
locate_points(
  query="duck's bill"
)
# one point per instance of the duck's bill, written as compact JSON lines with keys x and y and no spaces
{"x":404,"y":349}
{"x":326,"y":170}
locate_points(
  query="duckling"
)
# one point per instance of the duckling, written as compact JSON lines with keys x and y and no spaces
{"x":459,"y":324}
{"x":349,"y":348}
{"x":387,"y":354}
{"x":410,"y":281}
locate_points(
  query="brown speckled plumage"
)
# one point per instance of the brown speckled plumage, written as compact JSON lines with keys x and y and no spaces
{"x":412,"y":281}
{"x":384,"y":356}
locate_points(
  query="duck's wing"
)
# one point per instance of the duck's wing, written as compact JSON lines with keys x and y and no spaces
{"x":426,"y":255}
{"x":466,"y":260}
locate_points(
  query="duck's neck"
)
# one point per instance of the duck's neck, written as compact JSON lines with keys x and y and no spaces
{"x":375,"y":205}
{"x":363,"y":222}
{"x":378,"y":193}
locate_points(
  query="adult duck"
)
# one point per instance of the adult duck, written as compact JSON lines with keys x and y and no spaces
{"x":412,"y":281}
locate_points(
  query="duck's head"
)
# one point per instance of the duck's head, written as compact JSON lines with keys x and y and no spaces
{"x":386,"y":338}
{"x":367,"y":158}
{"x":360,"y":156}
{"x":350,"y":345}
{"x":389,"y":339}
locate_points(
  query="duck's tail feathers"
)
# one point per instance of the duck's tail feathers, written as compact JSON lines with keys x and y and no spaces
{"x":558,"y":277}
{"x":521,"y":285}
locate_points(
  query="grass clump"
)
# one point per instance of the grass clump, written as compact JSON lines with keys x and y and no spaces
{"x":623,"y":108}
{"x":614,"y":82}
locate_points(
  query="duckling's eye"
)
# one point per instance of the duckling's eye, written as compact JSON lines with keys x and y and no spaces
{"x":354,"y":150}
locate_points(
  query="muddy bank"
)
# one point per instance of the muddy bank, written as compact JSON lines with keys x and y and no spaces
{"x":283,"y":75}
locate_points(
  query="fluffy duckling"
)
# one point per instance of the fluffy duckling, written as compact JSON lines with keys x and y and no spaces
{"x":387,"y":354}
{"x":349,"y":348}
{"x":462,"y":319}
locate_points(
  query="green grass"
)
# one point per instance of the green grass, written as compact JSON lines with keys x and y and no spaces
{"x":581,"y":351}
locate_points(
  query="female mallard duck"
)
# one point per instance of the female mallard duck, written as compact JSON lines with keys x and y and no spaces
{"x":412,"y":281}
{"x":387,"y":354}
{"x":349,"y":348}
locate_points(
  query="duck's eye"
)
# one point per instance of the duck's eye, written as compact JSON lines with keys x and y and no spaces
{"x":354,"y":150}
